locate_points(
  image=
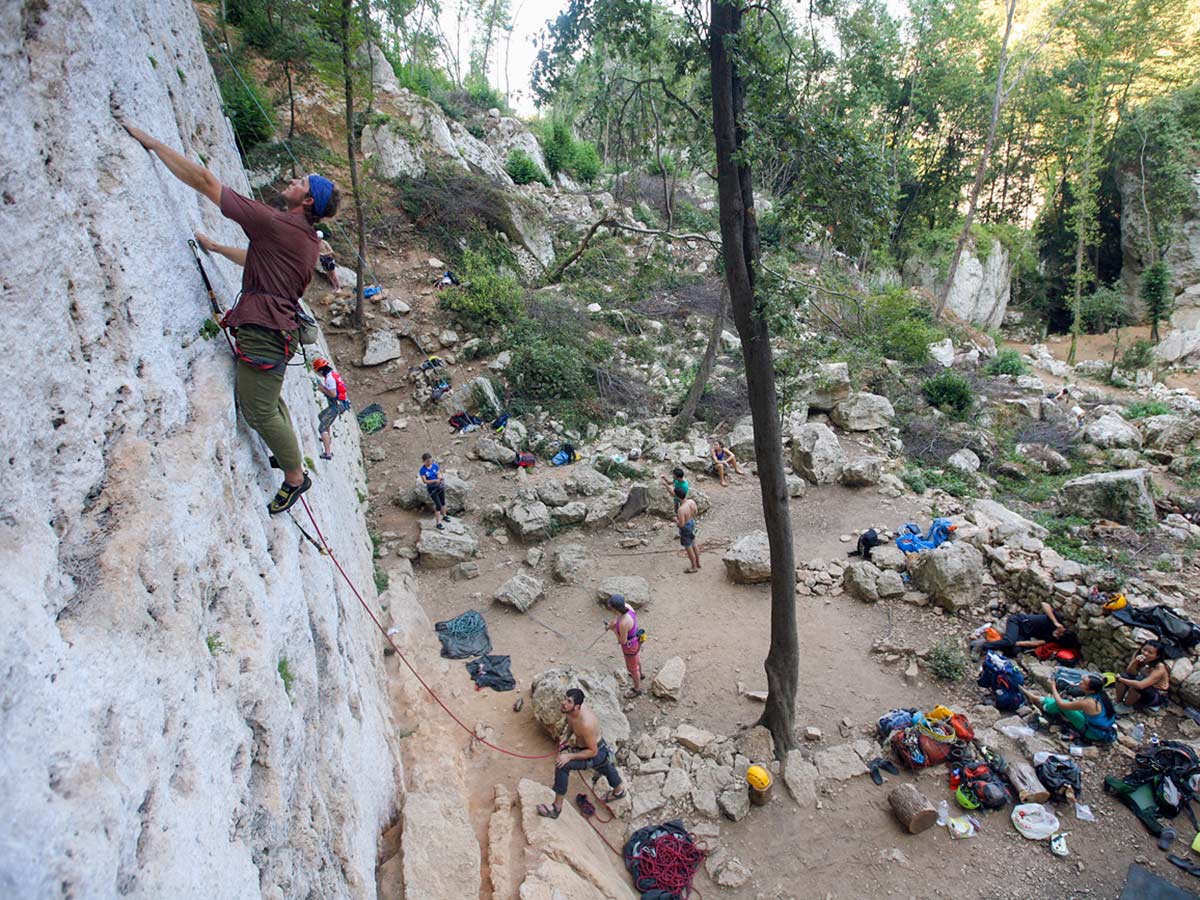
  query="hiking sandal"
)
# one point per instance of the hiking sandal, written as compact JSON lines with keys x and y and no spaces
{"x":614,"y":795}
{"x":1185,"y":864}
{"x":326,"y":456}
{"x":287,"y":495}
{"x":548,"y":812}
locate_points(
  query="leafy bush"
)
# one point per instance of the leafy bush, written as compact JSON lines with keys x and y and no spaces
{"x":563,"y":153}
{"x":487,"y":298}
{"x":949,"y":391}
{"x":900,"y":325}
{"x":1141,"y":409}
{"x":421,"y":79}
{"x":1139,"y":355}
{"x":915,"y":480}
{"x":248,"y":109}
{"x":523,"y":170}
{"x":1006,"y":362}
{"x":947,"y":660}
{"x":585,"y":162}
{"x":1104,"y":309}
{"x":484,"y":96}
{"x":546,"y":364}
{"x":1155,"y":292}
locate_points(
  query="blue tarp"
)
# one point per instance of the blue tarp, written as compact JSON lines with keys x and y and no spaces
{"x":910,"y":540}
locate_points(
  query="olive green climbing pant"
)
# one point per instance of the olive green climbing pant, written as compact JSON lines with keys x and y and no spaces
{"x":260,"y":398}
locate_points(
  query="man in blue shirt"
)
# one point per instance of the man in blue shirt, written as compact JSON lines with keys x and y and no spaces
{"x":431,"y":477}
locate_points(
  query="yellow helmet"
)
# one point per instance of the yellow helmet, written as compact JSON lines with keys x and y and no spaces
{"x":1118,"y":601}
{"x":758,"y":778}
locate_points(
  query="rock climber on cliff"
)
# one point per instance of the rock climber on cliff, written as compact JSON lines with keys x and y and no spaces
{"x":278,"y":266}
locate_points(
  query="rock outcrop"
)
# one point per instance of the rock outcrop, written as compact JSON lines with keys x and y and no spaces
{"x":600,"y":692}
{"x":982,"y":283}
{"x":1123,"y":496}
{"x":194,"y":701}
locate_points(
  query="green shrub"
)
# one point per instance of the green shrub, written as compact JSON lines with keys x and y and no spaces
{"x":523,"y":170}
{"x":915,"y":480}
{"x":1141,"y":409}
{"x":285,"y":674}
{"x":1139,"y":355}
{"x":950,"y":392}
{"x":381,"y":580}
{"x":585,"y":162}
{"x":896,"y":324}
{"x":487,"y":298}
{"x":421,"y":79}
{"x":1155,"y":291}
{"x":947,"y":661}
{"x":544,"y":367}
{"x":1006,"y":362}
{"x":1104,"y":309}
{"x":558,"y":147}
{"x":484,"y":96}
{"x":248,"y":109}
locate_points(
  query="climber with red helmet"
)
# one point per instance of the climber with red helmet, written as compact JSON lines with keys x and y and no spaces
{"x":267,"y":318}
{"x":331,"y":385}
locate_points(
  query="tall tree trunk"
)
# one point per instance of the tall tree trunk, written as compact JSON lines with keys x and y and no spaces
{"x":687,"y":412}
{"x":981,"y":168}
{"x":348,"y":76}
{"x":1151,"y":238}
{"x":287,"y":70}
{"x":1083,"y":217}
{"x":739,"y":249}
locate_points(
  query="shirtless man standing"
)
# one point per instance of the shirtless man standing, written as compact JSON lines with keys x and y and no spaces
{"x":685,"y":518}
{"x":582,"y":730}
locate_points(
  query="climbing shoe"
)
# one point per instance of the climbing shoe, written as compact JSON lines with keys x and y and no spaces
{"x":287,"y":495}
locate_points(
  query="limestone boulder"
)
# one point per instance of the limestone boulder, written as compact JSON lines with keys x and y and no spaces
{"x":816,"y":454}
{"x":1123,"y":496}
{"x":453,"y":544}
{"x":569,"y":513}
{"x":861,"y":581}
{"x":553,"y":493}
{"x":1001,"y":523}
{"x":521,"y":591}
{"x":634,"y":588}
{"x":748,"y":559}
{"x":800,"y":776}
{"x":890,"y":585}
{"x":741,"y":439}
{"x":1168,"y":432}
{"x":668,"y":683}
{"x":982,"y":282}
{"x":604,"y":508}
{"x":489,"y":449}
{"x":528,"y":519}
{"x":391,"y":151}
{"x":952,"y":575}
{"x":600,"y":693}
{"x":863,"y":472}
{"x":964,"y":460}
{"x":662,"y":504}
{"x":756,"y":744}
{"x":1189,"y":690}
{"x":483,"y":399}
{"x":863,"y":411}
{"x":458,"y":493}
{"x":568,"y":562}
{"x":1111,"y":431}
{"x":826,"y":386}
{"x":585,"y":481}
{"x":441,"y":852}
{"x":734,"y":801}
{"x":382,"y":346}
{"x":1045,"y":458}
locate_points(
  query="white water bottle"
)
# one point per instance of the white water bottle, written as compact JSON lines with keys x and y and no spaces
{"x":1139,"y":732}
{"x":943,"y":813}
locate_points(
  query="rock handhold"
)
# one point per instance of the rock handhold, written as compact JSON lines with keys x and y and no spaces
{"x":748,"y":560}
{"x":443,"y":549}
{"x":521,"y":591}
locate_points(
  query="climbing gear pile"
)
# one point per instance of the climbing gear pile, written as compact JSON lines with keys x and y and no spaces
{"x":663,"y":860}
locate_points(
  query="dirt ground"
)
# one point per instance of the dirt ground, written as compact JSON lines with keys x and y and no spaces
{"x":850,"y":847}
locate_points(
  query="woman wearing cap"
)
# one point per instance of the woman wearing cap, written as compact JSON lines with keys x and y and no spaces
{"x":626,"y":630}
{"x":334,"y":389}
{"x":278,"y":265}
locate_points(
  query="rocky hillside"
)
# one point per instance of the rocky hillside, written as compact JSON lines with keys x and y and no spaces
{"x":192,"y":704}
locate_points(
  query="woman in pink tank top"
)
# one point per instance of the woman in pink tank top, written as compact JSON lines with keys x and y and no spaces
{"x":631,"y":645}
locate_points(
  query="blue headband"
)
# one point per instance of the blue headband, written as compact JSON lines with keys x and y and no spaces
{"x":321,"y":189}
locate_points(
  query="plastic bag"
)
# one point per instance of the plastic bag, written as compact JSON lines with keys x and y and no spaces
{"x":1034,"y":821}
{"x":1016,"y":731}
{"x":962,"y":827}
{"x":1083,"y":812}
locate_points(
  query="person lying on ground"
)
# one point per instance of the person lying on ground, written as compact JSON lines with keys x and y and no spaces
{"x":680,"y":483}
{"x":724,"y":458}
{"x":625,"y":627}
{"x":278,"y":266}
{"x":1024,"y":631}
{"x":435,"y":485}
{"x":331,"y":385}
{"x":685,"y":519}
{"x":1145,"y":681}
{"x":1092,"y":715}
{"x":328,"y":263}
{"x":581,"y":747}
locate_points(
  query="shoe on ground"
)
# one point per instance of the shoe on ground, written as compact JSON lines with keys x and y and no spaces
{"x":326,"y":456}
{"x":440,"y":526}
{"x":287,"y":495}
{"x":1122,"y":709}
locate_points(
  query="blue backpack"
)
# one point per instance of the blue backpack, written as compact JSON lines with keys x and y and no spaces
{"x":1003,"y":679}
{"x":911,"y":541}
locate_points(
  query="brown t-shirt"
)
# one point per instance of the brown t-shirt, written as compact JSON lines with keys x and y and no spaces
{"x":279,"y":262}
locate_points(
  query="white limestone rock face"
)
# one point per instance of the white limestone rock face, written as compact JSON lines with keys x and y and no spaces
{"x":150,"y":746}
{"x":393,"y":154}
{"x":981,"y":288}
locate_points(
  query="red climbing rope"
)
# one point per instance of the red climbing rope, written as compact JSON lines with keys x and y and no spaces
{"x":670,"y":861}
{"x":432,"y":693}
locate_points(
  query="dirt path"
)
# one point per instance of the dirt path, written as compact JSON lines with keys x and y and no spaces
{"x":850,"y":847}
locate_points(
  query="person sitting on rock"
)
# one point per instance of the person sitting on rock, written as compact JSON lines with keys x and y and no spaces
{"x":331,"y":385}
{"x":328,"y":263}
{"x":581,"y":747}
{"x":431,"y":477}
{"x":685,"y":519}
{"x":723,"y":458}
{"x":680,"y":483}
{"x":1024,"y":631}
{"x":1091,"y":715}
{"x":278,"y":266}
{"x":1145,"y":681}
{"x":626,"y":629}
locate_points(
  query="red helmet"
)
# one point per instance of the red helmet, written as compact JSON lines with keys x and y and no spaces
{"x":319,"y":363}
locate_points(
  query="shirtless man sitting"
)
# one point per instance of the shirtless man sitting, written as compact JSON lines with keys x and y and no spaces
{"x":583,"y":731}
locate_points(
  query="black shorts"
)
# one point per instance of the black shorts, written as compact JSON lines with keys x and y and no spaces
{"x":437,"y":493}
{"x":328,"y":263}
{"x":1151,"y":696}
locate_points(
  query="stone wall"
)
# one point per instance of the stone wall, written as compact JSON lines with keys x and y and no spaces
{"x":150,"y":744}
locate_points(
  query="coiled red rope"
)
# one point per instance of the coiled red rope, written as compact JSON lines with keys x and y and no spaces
{"x":669,"y":863}
{"x":404,"y":659}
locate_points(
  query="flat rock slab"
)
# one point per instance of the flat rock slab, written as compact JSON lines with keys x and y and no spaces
{"x":521,"y":591}
{"x":442,"y":549}
{"x":634,"y":588}
{"x":668,"y":683}
{"x":840,"y":763}
{"x":748,"y":561}
{"x":441,"y":852}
